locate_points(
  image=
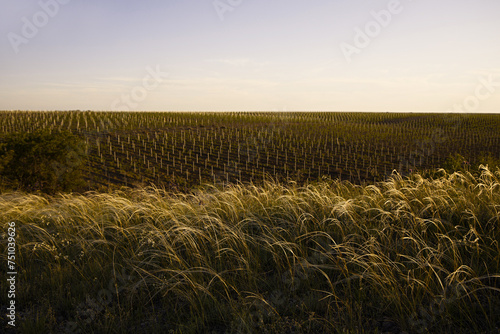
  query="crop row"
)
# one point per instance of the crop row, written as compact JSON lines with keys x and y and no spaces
{"x":193,"y":148}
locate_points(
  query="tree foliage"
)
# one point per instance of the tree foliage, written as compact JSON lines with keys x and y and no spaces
{"x":42,"y":161}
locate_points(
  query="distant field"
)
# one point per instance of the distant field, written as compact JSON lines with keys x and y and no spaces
{"x":181,"y":150}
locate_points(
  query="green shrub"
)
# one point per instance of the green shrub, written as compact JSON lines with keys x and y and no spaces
{"x":42,"y":161}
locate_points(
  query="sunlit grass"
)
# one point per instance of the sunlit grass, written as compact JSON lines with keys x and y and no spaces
{"x":409,"y":254}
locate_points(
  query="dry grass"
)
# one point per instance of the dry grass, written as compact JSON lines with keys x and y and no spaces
{"x":421,"y":254}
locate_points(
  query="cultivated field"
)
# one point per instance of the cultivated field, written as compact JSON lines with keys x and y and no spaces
{"x":182,"y":150}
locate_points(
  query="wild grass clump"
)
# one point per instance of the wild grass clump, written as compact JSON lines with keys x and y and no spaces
{"x":406,"y":255}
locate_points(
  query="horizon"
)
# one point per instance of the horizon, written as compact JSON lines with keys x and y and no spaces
{"x":262,"y":111}
{"x":224,"y":56}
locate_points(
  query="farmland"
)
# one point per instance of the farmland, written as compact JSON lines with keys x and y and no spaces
{"x":182,"y":150}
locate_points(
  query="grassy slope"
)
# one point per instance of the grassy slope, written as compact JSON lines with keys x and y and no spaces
{"x":410,"y":255}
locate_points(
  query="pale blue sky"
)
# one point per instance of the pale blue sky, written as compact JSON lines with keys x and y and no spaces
{"x":262,"y":55}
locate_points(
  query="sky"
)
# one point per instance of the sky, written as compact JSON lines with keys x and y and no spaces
{"x":250,"y":55}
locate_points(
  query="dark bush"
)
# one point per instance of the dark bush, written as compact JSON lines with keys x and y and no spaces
{"x":42,"y":161}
